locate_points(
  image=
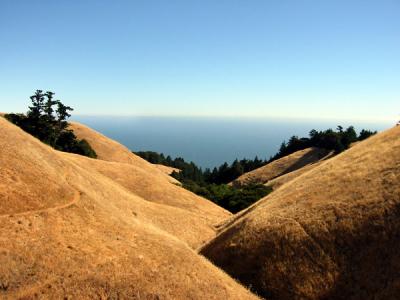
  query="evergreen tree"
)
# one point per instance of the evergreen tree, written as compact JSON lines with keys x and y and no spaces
{"x":48,"y":106}
{"x":41,"y":122}
{"x":348,"y":136}
{"x":236,"y":171}
{"x":35,"y":111}
{"x":364,"y":134}
{"x":62,"y":115}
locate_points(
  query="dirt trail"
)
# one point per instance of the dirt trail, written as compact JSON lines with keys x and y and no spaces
{"x":75,"y":199}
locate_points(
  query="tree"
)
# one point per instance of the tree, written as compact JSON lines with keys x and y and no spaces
{"x":50,"y":124}
{"x":35,"y":111}
{"x":348,"y":136}
{"x":364,"y":134}
{"x":236,"y":170}
{"x":62,"y":115}
{"x":48,"y":106}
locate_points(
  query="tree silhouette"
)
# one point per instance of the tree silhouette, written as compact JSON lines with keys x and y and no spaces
{"x":46,"y":119}
{"x":35,"y":111}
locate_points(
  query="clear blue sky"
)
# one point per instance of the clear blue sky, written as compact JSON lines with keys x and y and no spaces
{"x":299,"y":58}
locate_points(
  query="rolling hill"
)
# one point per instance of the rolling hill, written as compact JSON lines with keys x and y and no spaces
{"x":167,"y":170}
{"x":115,"y":227}
{"x":282,"y":166}
{"x":286,"y":177}
{"x":145,"y":179}
{"x":330,"y":233}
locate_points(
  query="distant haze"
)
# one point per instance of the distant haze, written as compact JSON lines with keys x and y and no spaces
{"x":210,"y":141}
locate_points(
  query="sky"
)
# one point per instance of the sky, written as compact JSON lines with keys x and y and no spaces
{"x":251,"y":58}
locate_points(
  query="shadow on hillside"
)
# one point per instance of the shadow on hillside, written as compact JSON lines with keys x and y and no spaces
{"x":369,"y":263}
{"x":313,"y":156}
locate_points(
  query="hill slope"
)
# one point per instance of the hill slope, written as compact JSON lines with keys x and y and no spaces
{"x":331,"y":233}
{"x":71,"y":230}
{"x":280,"y":180}
{"x":282,"y":166}
{"x":165,"y":169}
{"x":110,"y":150}
{"x":146,"y":180}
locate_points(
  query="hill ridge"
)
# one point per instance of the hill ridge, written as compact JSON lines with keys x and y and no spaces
{"x":329,"y":233}
{"x":283,"y":166}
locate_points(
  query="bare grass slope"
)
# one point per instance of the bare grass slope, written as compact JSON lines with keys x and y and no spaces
{"x":282,"y":166}
{"x":71,"y":227}
{"x":330,"y":233}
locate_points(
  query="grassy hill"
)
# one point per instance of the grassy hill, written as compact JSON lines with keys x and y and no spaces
{"x":120,"y":227}
{"x":116,"y":227}
{"x":282,"y":166}
{"x":330,"y":233}
{"x":167,"y":170}
{"x":145,"y":179}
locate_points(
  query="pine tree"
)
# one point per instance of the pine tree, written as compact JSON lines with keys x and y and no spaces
{"x":35,"y":111}
{"x":48,"y":106}
{"x":62,"y":115}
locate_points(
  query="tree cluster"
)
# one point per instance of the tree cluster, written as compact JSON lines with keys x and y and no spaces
{"x":46,"y":119}
{"x":213,"y":184}
{"x":225,"y":173}
{"x":231,"y":198}
{"x":338,"y":141}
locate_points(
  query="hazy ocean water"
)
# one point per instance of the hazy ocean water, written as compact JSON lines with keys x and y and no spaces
{"x":209,"y":141}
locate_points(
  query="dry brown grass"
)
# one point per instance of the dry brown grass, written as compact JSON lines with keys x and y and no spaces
{"x":143,"y":178}
{"x":280,"y":180}
{"x":74,"y":227}
{"x":330,"y":233}
{"x":165,"y":169}
{"x":282,"y":166}
{"x":109,"y":150}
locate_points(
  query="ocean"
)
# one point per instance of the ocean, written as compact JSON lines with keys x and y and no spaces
{"x":209,"y":142}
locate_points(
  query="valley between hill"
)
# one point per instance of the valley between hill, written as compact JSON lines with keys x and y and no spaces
{"x":120,"y":227}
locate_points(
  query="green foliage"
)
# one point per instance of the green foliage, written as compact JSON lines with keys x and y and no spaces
{"x":212,"y":184}
{"x":190,"y":171}
{"x":364,"y":134}
{"x":153,"y":157}
{"x":228,"y":197}
{"x":46,"y":119}
{"x":337,"y":141}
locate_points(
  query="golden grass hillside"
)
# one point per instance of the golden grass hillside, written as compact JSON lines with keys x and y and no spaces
{"x":280,"y":180}
{"x":110,"y":150}
{"x":330,"y":233}
{"x":68,"y":231}
{"x":165,"y":169}
{"x":281,"y":166}
{"x":146,"y":180}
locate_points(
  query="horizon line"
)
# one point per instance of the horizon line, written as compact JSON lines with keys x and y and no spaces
{"x":244,"y":117}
